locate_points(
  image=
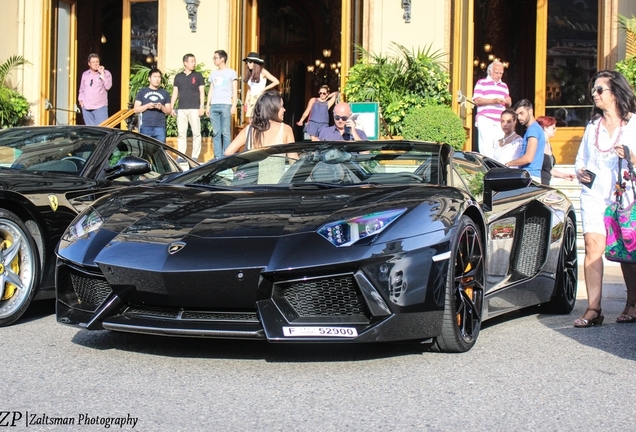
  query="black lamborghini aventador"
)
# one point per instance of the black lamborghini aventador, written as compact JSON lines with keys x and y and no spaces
{"x":48,"y":175}
{"x":322,"y":242}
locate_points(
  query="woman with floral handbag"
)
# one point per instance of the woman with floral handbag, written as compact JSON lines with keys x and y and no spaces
{"x":611,"y":127}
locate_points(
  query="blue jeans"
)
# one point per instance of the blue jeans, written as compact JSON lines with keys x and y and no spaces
{"x":156,"y":132}
{"x":221,"y":120}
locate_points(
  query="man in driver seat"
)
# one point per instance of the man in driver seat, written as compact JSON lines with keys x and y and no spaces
{"x":344,"y":128}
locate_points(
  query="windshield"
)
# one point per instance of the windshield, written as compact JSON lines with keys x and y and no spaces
{"x":322,"y":164}
{"x":64,"y":150}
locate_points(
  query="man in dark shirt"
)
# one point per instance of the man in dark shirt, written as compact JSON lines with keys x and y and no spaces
{"x":345,"y":127}
{"x":153,"y":103}
{"x":189,"y":90}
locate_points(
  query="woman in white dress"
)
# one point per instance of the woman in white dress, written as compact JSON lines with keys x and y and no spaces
{"x":508,"y":147}
{"x":612,"y":126}
{"x":256,"y":78}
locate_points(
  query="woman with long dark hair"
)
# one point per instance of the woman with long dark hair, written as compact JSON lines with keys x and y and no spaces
{"x":612,"y":126}
{"x":256,"y":77}
{"x":267,"y":127}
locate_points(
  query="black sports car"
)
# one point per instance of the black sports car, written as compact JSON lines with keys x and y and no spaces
{"x":322,"y":242}
{"x":47,"y":176}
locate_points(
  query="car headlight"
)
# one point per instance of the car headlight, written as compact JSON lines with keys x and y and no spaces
{"x":349,"y":231}
{"x":85,"y":223}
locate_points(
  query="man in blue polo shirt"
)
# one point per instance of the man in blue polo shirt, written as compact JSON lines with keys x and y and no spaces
{"x":345,"y":127}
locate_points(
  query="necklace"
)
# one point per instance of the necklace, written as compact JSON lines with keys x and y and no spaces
{"x":613,"y":144}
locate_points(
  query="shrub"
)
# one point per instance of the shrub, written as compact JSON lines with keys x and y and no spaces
{"x":434,"y":123}
{"x":13,"y":108}
{"x":628,"y":68}
{"x":13,"y":105}
{"x":406,"y":80}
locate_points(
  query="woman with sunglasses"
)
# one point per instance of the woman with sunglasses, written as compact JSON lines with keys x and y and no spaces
{"x":318,"y":112}
{"x":256,"y":77}
{"x":612,"y":126}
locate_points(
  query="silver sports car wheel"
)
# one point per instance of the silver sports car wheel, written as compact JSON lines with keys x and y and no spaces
{"x":18,"y":267}
{"x":464,"y":291}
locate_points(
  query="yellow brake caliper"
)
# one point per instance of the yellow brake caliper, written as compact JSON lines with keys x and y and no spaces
{"x":468,"y":291}
{"x":10,"y":289}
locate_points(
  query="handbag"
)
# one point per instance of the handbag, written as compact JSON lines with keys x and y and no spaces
{"x":620,"y":222}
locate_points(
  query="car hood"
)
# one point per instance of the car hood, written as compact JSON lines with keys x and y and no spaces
{"x":163,"y":214}
{"x":176,"y":229}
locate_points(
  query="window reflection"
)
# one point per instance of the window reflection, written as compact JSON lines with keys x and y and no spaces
{"x":143,"y":42}
{"x":571,"y":59}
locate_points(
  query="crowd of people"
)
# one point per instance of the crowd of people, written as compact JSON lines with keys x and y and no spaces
{"x":610,"y":129}
{"x":263,"y":106}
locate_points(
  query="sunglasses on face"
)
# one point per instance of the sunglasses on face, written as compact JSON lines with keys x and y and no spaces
{"x":343,"y":118}
{"x":322,"y":93}
{"x":598,"y":90}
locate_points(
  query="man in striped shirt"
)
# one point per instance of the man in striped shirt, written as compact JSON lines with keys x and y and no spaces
{"x":491,"y":97}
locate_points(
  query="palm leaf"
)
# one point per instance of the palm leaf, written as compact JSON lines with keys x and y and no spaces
{"x":9,"y":65}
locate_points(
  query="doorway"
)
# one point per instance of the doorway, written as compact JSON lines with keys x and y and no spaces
{"x":301,"y":44}
{"x":500,"y":34}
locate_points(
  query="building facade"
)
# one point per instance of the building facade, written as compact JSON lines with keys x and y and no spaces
{"x":551,"y":47}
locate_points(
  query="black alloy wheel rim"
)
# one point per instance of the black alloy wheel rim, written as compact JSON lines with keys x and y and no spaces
{"x":468,"y":290}
{"x":569,"y":262}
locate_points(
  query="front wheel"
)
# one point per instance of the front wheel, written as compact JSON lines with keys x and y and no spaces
{"x":464,"y":291}
{"x":19,"y":267}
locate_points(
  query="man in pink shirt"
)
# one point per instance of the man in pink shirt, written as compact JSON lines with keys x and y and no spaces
{"x":491,"y":98}
{"x":93,"y":92}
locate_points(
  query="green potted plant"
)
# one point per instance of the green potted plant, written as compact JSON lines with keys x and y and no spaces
{"x":14,"y":107}
{"x":408,"y":79}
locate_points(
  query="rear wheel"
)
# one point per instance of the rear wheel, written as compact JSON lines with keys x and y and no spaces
{"x":18,"y":267}
{"x":564,"y":297}
{"x":464,"y":291}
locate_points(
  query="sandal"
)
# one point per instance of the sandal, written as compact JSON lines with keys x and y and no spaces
{"x":584,"y":322}
{"x":626,"y":317}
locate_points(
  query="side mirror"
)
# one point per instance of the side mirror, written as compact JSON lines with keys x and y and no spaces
{"x":503,"y":179}
{"x":128,"y":166}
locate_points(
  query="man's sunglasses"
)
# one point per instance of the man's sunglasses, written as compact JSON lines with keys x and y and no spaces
{"x":343,"y":118}
{"x":598,"y":90}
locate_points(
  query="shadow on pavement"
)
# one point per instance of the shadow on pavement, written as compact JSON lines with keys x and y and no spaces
{"x":611,"y":337}
{"x":243,"y":349}
{"x":37,"y":310}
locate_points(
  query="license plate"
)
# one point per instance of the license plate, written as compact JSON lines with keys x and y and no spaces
{"x":339,"y":332}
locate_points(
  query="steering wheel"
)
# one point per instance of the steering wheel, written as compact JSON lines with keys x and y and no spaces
{"x":78,"y":161}
{"x":411,"y":176}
